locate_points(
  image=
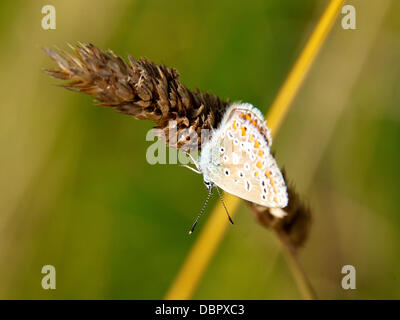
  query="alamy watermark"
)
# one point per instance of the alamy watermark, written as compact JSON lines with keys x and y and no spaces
{"x":349,"y":19}
{"x":49,"y":19}
{"x":49,"y":280}
{"x":229,"y":150}
{"x":349,"y":280}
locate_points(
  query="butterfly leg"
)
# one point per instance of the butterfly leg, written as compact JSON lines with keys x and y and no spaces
{"x":190,"y":168}
{"x":223,"y":203}
{"x":196,"y":163}
{"x":202,"y":210}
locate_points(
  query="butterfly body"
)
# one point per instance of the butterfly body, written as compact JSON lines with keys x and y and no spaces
{"x":237,"y":158}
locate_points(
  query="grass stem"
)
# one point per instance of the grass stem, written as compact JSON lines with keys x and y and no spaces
{"x":212,"y":234}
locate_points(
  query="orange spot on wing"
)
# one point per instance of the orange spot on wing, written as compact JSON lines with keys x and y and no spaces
{"x":256,"y":173}
{"x":256,"y":144}
{"x":260,"y":153}
{"x":267,"y":174}
{"x":243,"y":131}
{"x":273,"y":186}
{"x":248,"y":117}
{"x":234,"y":125}
{"x":259,"y":164}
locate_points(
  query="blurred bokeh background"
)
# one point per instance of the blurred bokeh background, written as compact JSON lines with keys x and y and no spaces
{"x":76,"y":191}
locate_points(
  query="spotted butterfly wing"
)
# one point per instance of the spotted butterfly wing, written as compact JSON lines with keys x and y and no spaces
{"x":238,"y":158}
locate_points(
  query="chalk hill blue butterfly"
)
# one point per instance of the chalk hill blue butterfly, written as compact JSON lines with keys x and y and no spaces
{"x":237,"y":158}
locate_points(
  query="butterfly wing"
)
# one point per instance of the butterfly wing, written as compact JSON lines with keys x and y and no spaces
{"x":240,"y":161}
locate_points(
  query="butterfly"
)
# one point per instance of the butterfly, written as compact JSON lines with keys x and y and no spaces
{"x":237,"y":159}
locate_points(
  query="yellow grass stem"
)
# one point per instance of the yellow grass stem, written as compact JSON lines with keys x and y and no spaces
{"x":286,"y":94}
{"x":211,"y":235}
{"x":203,"y":250}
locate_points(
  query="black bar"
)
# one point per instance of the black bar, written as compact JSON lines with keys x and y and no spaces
{"x":199,"y":309}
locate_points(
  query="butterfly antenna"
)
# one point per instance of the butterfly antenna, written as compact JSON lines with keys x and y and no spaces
{"x":223,"y":203}
{"x":202,"y":210}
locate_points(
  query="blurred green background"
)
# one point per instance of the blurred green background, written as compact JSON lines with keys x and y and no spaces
{"x":77,"y":192}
